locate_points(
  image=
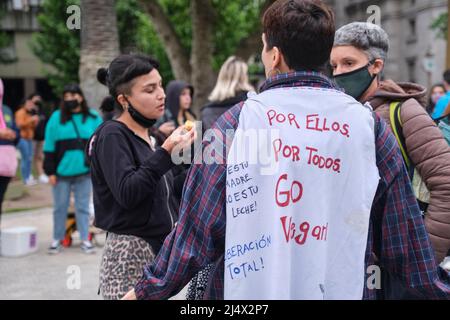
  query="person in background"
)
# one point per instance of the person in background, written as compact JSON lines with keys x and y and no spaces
{"x":38,"y":140}
{"x":179,"y":95}
{"x":131,"y":176}
{"x":108,"y":104}
{"x":358,"y":59}
{"x":436,"y":92}
{"x":178,"y":103}
{"x":27,"y":119}
{"x":231,"y":88}
{"x":9,"y":136}
{"x":444,"y":101}
{"x":66,"y":136}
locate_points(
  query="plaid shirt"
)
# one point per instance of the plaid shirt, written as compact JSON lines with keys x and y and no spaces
{"x":397,"y":241}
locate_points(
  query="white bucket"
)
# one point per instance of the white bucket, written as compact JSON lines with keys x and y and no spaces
{"x":17,"y":242}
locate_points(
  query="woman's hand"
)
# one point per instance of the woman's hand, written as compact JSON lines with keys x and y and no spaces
{"x":7,"y":134}
{"x":180,"y":138}
{"x":167,"y":128}
{"x":53,"y":180}
{"x":35,"y":119}
{"x":131,"y":295}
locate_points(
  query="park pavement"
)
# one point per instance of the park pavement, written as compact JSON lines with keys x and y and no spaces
{"x":41,"y":276}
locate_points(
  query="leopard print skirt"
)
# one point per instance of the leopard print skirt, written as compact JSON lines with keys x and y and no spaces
{"x":124,"y":258}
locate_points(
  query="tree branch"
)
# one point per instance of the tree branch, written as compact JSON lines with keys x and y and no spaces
{"x":178,"y":55}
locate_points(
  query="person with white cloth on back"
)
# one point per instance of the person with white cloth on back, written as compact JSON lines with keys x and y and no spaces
{"x":310,"y":223}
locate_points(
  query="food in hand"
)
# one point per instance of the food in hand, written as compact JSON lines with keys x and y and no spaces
{"x":188,"y":125}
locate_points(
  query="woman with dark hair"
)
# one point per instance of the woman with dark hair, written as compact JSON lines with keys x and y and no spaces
{"x":133,"y":185}
{"x":27,"y":120}
{"x":436,"y":92}
{"x":179,"y":95}
{"x":66,"y":136}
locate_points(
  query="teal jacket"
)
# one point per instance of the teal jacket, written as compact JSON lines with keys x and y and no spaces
{"x":63,"y":149}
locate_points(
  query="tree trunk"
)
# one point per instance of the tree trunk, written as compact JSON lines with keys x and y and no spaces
{"x":99,"y":46}
{"x":177,"y":54}
{"x":203,"y":76}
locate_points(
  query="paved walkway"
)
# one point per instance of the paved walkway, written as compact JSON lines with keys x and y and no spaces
{"x":41,"y":276}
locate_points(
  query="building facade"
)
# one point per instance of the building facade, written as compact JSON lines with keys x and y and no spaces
{"x":25,"y":74}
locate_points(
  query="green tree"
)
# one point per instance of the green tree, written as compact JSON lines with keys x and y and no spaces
{"x":191,"y":39}
{"x":59,"y":47}
{"x":198,"y":35}
{"x":5,"y":40}
{"x":137,"y":34}
{"x":440,"y":25}
{"x":56,"y":45}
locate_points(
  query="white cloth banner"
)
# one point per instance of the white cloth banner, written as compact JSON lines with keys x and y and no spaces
{"x":297,"y":225}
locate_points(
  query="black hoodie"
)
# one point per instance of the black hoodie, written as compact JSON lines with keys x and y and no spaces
{"x":173,"y":93}
{"x":212,"y":111}
{"x":133,"y":184}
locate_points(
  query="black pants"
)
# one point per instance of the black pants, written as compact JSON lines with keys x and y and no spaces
{"x":4,"y":181}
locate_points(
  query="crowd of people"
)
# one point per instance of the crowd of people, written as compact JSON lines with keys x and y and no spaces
{"x":172,"y":224}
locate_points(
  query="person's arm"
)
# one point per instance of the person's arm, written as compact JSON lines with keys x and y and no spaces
{"x":129,"y":184}
{"x":430,"y":153}
{"x":23,"y":121}
{"x":49,"y":148}
{"x":404,"y":246}
{"x":199,"y":237}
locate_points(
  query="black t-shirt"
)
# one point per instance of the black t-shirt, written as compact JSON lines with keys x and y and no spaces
{"x":132,"y":184}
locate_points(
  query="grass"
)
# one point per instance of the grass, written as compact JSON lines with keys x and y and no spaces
{"x":15,"y":210}
{"x":15,"y":192}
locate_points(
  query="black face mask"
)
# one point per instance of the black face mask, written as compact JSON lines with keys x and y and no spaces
{"x":139,"y":118}
{"x":71,"y":105}
{"x":32,"y":112}
{"x":356,"y":83}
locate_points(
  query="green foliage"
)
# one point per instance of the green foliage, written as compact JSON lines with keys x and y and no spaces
{"x":56,"y":45}
{"x":137,"y":34}
{"x":59,"y":47}
{"x":440,"y":25}
{"x":5,"y":40}
{"x":237,"y":19}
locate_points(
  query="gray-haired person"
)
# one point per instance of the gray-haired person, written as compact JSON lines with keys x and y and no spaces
{"x":358,"y":59}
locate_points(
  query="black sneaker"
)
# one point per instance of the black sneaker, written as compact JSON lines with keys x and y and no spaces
{"x":55,"y":247}
{"x":87,"y":247}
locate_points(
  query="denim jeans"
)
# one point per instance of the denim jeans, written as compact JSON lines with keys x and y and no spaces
{"x":81,"y":187}
{"x":26,"y":150}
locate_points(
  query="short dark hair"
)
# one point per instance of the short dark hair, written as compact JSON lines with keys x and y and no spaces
{"x":303,"y":30}
{"x":121,"y":73}
{"x":32,"y":95}
{"x":446,"y":76}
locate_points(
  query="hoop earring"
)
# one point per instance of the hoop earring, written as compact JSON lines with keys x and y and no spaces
{"x":271,"y":73}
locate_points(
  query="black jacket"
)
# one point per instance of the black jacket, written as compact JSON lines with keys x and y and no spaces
{"x":212,"y":111}
{"x":132,"y":184}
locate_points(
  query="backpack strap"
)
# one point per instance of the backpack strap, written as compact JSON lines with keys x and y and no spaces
{"x":441,"y":118}
{"x":397,"y":129}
